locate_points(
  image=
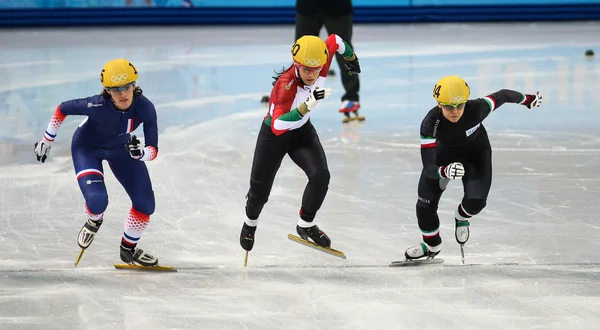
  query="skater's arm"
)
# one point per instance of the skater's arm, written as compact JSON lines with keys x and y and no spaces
{"x":283,"y":117}
{"x":428,"y":144}
{"x":429,"y":159}
{"x":71,"y":107}
{"x":57,"y":119}
{"x":150,"y":131}
{"x":336,"y":44}
{"x":488,"y":104}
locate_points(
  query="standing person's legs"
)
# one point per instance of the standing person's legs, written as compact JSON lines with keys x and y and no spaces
{"x":307,"y":26}
{"x":342,"y":26}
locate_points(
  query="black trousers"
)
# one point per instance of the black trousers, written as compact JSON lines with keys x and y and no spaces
{"x":342,"y":26}
{"x":305,"y":149}
{"x":477,"y":160}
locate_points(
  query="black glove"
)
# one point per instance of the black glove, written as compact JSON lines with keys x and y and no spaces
{"x":352,"y":64}
{"x":134,"y":147}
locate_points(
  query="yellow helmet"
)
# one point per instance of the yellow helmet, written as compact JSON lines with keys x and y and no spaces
{"x":451,"y":90}
{"x":118,"y":72}
{"x":310,"y":51}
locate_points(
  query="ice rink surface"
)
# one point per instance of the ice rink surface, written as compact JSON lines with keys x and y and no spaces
{"x":533,"y":259}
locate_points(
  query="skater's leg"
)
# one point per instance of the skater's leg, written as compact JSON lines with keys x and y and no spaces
{"x":134,"y":177}
{"x":87,"y":163}
{"x":477,"y":183}
{"x":307,"y":152}
{"x":429,"y":194}
{"x":268,"y":154}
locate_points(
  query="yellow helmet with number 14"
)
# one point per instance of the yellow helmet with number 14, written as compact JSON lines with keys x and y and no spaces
{"x":451,"y":90}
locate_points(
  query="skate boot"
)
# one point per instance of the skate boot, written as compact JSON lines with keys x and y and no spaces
{"x":422,"y":250}
{"x":137,"y":256}
{"x":348,"y":108}
{"x":88,"y":232}
{"x":247,"y":237}
{"x":315,"y":234}
{"x":461,"y":231}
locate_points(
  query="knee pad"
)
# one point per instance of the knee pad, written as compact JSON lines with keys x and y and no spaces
{"x":473,"y":206}
{"x":145,"y":204}
{"x":96,"y":202}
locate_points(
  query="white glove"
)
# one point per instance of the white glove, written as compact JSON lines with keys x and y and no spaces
{"x":42,"y":149}
{"x":316,"y":96}
{"x":453,"y":171}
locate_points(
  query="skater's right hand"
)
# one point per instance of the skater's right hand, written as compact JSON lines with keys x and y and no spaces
{"x":134,"y":147}
{"x":316,"y":96}
{"x":452,"y":171}
{"x":42,"y":149}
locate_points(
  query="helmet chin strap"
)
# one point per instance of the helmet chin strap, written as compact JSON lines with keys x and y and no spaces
{"x":115,"y":103}
{"x":298,"y":75}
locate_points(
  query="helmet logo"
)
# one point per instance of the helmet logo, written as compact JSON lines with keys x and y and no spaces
{"x":312,"y":62}
{"x":457,"y":99}
{"x":119,"y":78}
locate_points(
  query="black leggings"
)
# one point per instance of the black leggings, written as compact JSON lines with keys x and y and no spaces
{"x":477,"y":160}
{"x":305,"y":150}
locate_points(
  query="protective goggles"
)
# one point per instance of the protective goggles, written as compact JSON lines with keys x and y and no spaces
{"x":307,"y":68}
{"x":125,"y":88}
{"x":450,"y":107}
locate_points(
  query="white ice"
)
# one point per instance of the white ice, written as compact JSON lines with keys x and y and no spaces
{"x":532,"y":260}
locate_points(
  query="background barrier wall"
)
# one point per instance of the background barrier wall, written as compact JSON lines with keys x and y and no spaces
{"x":14,"y":13}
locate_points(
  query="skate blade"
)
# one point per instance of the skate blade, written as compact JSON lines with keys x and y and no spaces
{"x":246,"y":260}
{"x":415,"y":262}
{"x":348,"y":119}
{"x":79,"y":257}
{"x":331,"y":251}
{"x":360,"y":118}
{"x":149,"y":268}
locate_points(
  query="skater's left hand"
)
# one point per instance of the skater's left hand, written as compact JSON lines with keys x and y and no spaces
{"x":453,"y":171}
{"x":532,"y":101}
{"x":352,"y":64}
{"x":134,"y":147}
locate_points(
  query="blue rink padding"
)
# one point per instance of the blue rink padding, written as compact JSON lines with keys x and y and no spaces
{"x":281,"y":15}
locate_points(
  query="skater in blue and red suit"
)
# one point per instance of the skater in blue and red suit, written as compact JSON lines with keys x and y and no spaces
{"x":105,"y":135}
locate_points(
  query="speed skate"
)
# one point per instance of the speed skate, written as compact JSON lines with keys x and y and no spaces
{"x":415,"y":262}
{"x":331,"y":251}
{"x":146,"y":268}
